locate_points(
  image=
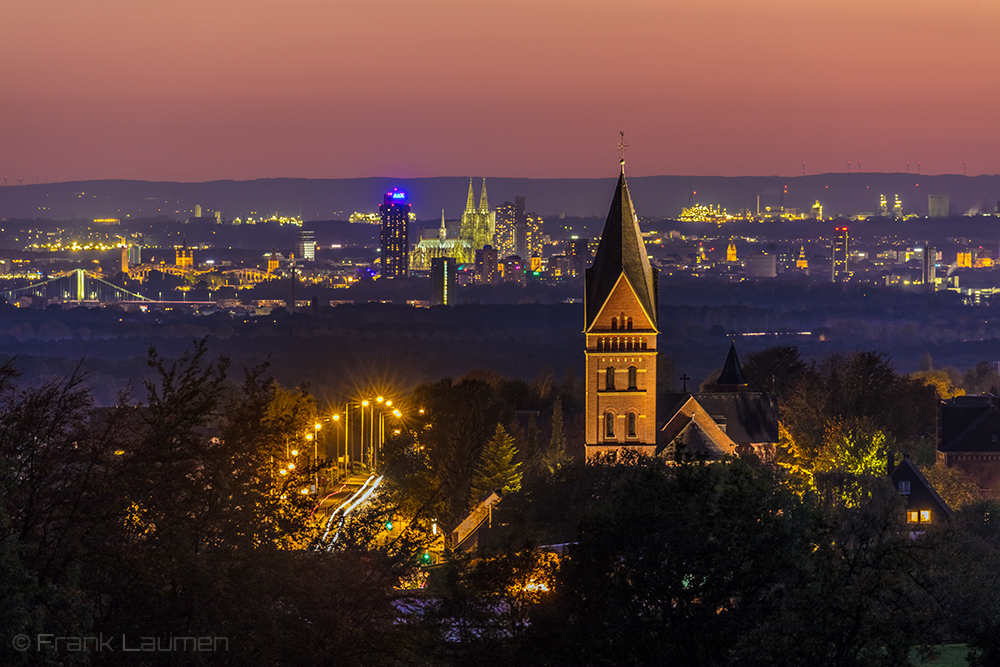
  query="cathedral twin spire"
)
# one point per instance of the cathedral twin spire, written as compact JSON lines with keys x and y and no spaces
{"x":470,"y":203}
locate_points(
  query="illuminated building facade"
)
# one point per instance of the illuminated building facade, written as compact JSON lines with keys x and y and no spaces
{"x":621,"y":319}
{"x":802,"y":262}
{"x":731,"y":253}
{"x":478,"y":225}
{"x":486,"y":265}
{"x":506,"y":220}
{"x":395,"y":238}
{"x":443,"y":281}
{"x":534,"y":234}
{"x":579,"y":255}
{"x":477,"y":229}
{"x":184,"y":258}
{"x":929,"y":265}
{"x":817,"y":211}
{"x":839,"y":272}
{"x":306,"y":246}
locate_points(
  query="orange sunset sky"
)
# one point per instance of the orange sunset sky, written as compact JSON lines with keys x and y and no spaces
{"x":237,"y":89}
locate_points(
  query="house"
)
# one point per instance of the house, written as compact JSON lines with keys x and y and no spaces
{"x":969,"y":439}
{"x":924,"y":507}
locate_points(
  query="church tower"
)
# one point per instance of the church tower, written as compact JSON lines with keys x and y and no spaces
{"x":621,"y":324}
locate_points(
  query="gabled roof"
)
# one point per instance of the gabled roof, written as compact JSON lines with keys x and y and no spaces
{"x":732,"y":374}
{"x":981,"y":432}
{"x":918,"y":496}
{"x":691,"y":415}
{"x":621,"y":251}
{"x":751,"y":417}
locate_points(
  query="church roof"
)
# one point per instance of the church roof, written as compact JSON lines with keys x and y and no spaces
{"x":750,"y":417}
{"x":621,"y":251}
{"x":732,"y":374}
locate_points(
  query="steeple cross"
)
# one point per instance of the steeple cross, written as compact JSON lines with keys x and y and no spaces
{"x":684,"y":379}
{"x":622,"y":146}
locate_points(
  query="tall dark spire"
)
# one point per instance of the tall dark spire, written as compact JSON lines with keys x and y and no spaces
{"x":731,"y":378}
{"x":621,"y":251}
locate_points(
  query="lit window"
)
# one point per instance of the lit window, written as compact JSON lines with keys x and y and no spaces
{"x":609,"y":379}
{"x":609,"y":425}
{"x":632,"y":377}
{"x":925,"y":516}
{"x":631,"y":424}
{"x":912,"y":516}
{"x":904,"y":487}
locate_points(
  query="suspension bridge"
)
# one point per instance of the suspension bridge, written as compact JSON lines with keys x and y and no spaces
{"x":77,"y":285}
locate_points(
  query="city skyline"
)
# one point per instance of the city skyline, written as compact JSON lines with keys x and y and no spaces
{"x":190,"y":92}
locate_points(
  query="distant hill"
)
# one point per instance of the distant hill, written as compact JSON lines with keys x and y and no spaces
{"x":330,"y":199}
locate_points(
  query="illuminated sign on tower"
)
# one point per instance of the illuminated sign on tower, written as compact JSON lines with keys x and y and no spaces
{"x":395,"y":239}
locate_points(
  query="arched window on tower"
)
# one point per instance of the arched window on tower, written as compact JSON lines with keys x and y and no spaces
{"x":614,"y":324}
{"x":631,"y":425}
{"x":632,"y":373}
{"x":600,"y":344}
{"x":609,"y":379}
{"x":609,"y":425}
{"x":628,"y":324}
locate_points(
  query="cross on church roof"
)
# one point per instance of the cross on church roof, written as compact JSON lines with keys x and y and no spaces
{"x":622,"y":146}
{"x":684,"y":379}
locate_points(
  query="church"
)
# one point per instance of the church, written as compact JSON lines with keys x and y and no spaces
{"x":476,"y":230}
{"x":621,"y":324}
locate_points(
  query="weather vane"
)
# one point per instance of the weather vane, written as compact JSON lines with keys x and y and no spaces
{"x":622,"y":146}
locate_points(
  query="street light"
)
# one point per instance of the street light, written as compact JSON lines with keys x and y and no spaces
{"x":336,"y":447}
{"x":317,"y":426}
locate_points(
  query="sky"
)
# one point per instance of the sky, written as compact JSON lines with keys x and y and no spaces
{"x":198,"y":90}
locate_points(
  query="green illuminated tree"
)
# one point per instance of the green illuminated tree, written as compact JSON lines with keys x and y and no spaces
{"x":497,"y":470}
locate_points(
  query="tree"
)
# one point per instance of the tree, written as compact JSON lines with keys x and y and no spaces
{"x":497,"y":470}
{"x":981,"y":379}
{"x":556,"y":456}
{"x":954,"y":486}
{"x":774,"y":369}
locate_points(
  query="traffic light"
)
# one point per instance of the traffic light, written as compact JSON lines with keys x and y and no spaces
{"x":426,"y":557}
{"x":388,"y":525}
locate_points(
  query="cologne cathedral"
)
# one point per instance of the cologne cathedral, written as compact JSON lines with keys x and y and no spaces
{"x":476,"y":231}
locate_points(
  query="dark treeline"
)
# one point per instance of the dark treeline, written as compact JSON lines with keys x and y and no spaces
{"x":167,"y":516}
{"x":343,"y":346}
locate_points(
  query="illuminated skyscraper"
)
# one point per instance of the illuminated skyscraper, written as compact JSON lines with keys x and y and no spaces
{"x":579,"y":254}
{"x":839,"y":272}
{"x":620,"y":323}
{"x":395,"y":239}
{"x":505,"y":235}
{"x":306,"y":247}
{"x":929,"y":265}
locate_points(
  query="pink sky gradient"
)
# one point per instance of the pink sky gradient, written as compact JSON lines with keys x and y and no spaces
{"x":236,"y":89}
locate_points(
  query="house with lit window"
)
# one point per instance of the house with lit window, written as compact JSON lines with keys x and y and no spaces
{"x":924,"y":507}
